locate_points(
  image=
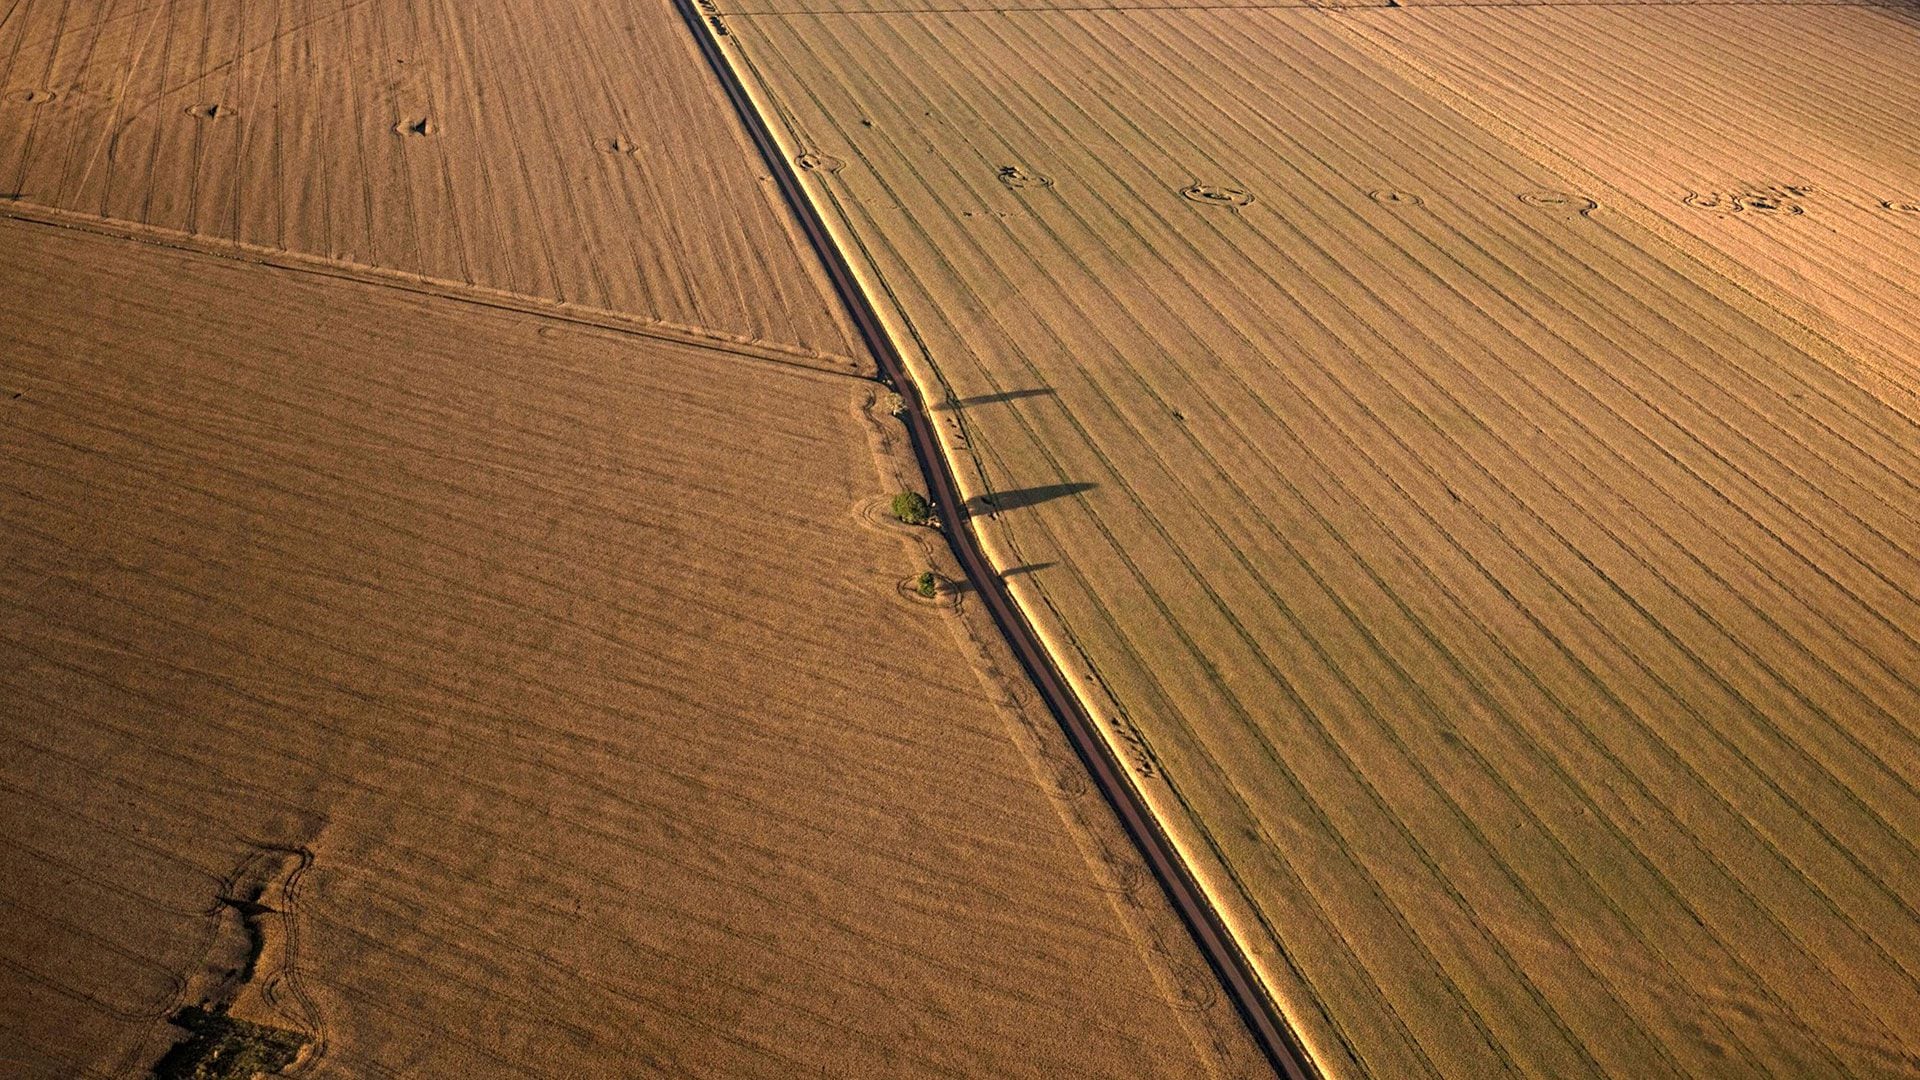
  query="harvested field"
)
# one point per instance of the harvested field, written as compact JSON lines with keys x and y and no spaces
{"x":439,"y":643}
{"x":545,"y":149}
{"x":1776,"y":146}
{"x":1506,"y":597}
{"x":510,"y":697}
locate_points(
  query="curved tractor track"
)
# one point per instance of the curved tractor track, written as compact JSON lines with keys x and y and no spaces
{"x":1202,"y":921}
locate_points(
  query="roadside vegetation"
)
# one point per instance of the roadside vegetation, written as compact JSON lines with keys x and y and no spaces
{"x":913,"y":508}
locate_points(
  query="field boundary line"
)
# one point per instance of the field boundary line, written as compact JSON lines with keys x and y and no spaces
{"x":1307,"y":5}
{"x":303,"y":263}
{"x":1183,"y":877}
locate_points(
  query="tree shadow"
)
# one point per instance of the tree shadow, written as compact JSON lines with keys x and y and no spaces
{"x":992,"y":399}
{"x":1027,"y":568}
{"x":1020,"y":498}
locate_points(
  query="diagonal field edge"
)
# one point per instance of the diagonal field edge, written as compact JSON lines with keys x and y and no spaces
{"x":1269,"y":1030}
{"x":706,"y":338}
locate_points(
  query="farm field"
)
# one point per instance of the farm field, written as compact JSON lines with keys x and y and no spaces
{"x":548,"y":150}
{"x":1801,"y":186}
{"x":530,"y":707}
{"x":1502,"y":582}
{"x":443,"y":612}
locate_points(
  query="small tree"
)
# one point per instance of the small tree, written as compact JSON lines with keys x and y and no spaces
{"x":912,"y":508}
{"x":925,"y":584}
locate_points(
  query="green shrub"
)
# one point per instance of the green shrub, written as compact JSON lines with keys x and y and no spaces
{"x":222,"y":1047}
{"x":925,"y":584}
{"x":912,"y":508}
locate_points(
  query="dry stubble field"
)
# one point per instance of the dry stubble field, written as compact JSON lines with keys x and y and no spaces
{"x":567,"y":725}
{"x":1774,"y":143}
{"x":1470,"y":457}
{"x":429,"y":622}
{"x":548,"y":150}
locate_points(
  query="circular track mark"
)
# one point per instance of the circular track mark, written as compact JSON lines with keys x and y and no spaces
{"x":1016,"y":177}
{"x":1391,"y":197}
{"x":619,"y":144}
{"x":817,"y":162}
{"x":1214,"y":195}
{"x":909,"y":589}
{"x":1130,"y":879}
{"x":1196,"y":989}
{"x":1713,"y":202}
{"x":1774,"y":201}
{"x":35,"y":97}
{"x":1769,"y":204}
{"x":876,"y":512}
{"x":1901,"y":206}
{"x":1559,"y":200}
{"x":211,"y":111}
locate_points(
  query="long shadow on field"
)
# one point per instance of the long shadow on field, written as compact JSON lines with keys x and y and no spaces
{"x":1020,"y":498}
{"x":1026,"y":568}
{"x":992,"y":399}
{"x":964,"y":586}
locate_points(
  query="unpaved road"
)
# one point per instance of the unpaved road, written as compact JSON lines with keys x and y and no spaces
{"x":1181,"y":889}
